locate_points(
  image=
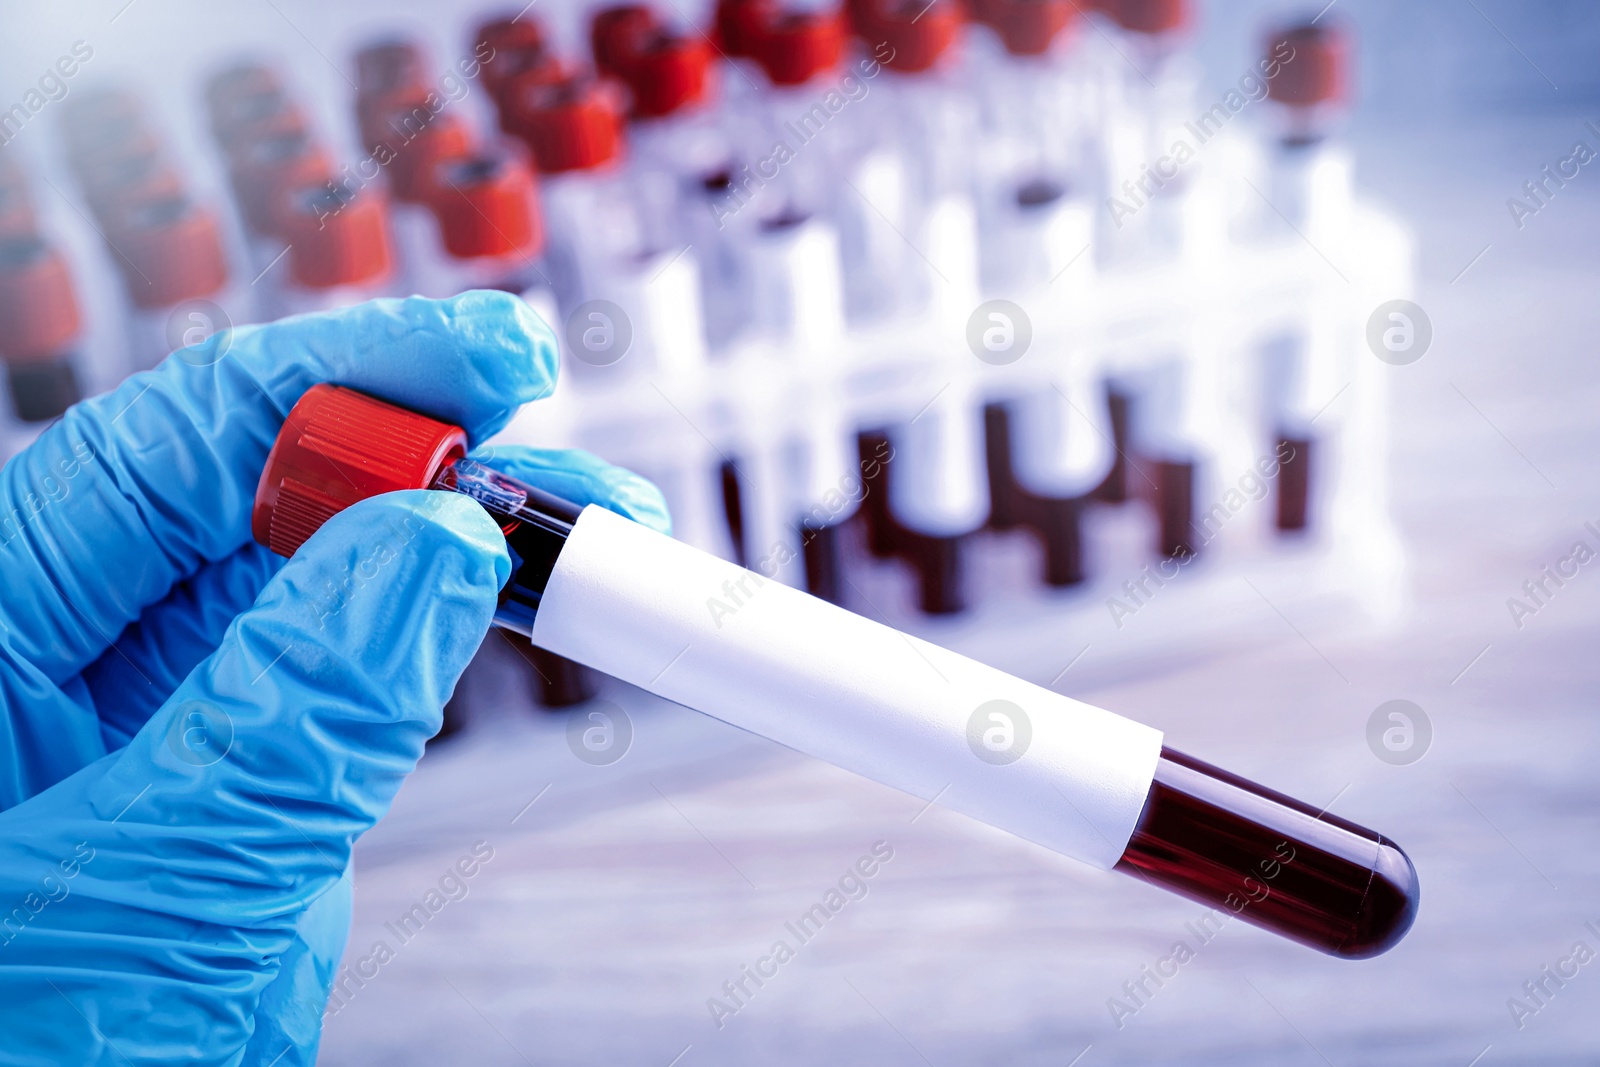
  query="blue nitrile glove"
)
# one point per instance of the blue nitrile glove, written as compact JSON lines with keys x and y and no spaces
{"x":195,"y":731}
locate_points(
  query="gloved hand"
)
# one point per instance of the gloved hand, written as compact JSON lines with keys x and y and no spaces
{"x":196,"y":731}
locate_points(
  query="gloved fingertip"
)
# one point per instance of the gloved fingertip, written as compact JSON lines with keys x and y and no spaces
{"x":452,"y":523}
{"x":504,"y":324}
{"x":639,"y":499}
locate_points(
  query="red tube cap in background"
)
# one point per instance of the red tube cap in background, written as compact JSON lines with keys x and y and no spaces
{"x":618,"y":33}
{"x":487,"y":206}
{"x":1319,"y":71}
{"x":571,"y":124}
{"x":512,"y":46}
{"x":38,"y":305}
{"x":918,"y":34}
{"x":670,"y":74}
{"x":171,"y":251}
{"x":1030,"y":27}
{"x":1149,"y":16}
{"x":338,"y":447}
{"x":264,"y":172}
{"x":337,"y":236}
{"x":740,"y":22}
{"x":414,"y":168}
{"x":797,"y":46}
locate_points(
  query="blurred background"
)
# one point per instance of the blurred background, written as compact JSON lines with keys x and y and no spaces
{"x":957,"y":362}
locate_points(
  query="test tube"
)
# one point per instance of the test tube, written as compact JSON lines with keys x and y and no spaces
{"x":1310,"y":188}
{"x":609,"y":593}
{"x":339,"y":251}
{"x":39,"y":323}
{"x":488,"y":231}
{"x":262,"y":174}
{"x":509,"y":48}
{"x":171,"y":254}
{"x":574,"y":128}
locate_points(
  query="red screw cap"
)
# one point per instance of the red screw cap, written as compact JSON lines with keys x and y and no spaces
{"x":740,"y":22}
{"x":521,"y":31}
{"x":618,"y":33}
{"x":512,"y":46}
{"x":1319,"y":71}
{"x":487,"y":206}
{"x":918,"y":34}
{"x":414,"y":169}
{"x":1030,"y":27}
{"x":173,"y":252}
{"x":571,"y":124}
{"x":670,"y":74}
{"x":337,"y":236}
{"x":396,"y":119}
{"x":797,"y":46}
{"x":1149,"y":16}
{"x":338,"y":447}
{"x":265,"y":171}
{"x":38,"y":306}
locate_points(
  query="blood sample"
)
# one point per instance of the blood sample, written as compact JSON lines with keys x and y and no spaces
{"x":1048,"y":435}
{"x":914,"y":137}
{"x":1309,"y":185}
{"x":795,"y":486}
{"x":39,"y":323}
{"x":607,"y":592}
